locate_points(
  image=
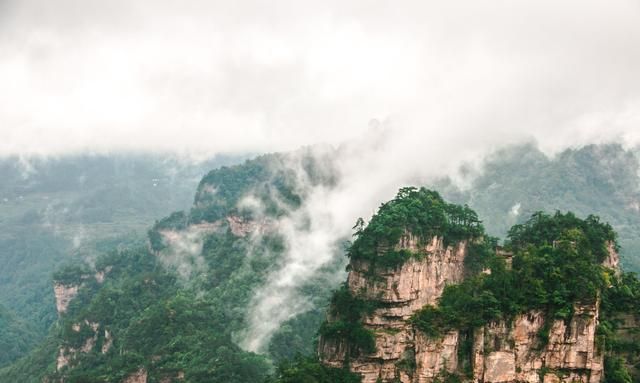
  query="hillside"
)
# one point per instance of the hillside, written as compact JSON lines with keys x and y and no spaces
{"x":517,"y":181}
{"x":56,"y":211}
{"x":175,"y":307}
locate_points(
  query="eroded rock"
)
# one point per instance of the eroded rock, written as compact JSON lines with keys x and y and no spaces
{"x":64,"y":294}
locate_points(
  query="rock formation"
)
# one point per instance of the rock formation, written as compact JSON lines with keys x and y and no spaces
{"x":64,"y":294}
{"x":499,"y":352}
{"x":139,"y":376}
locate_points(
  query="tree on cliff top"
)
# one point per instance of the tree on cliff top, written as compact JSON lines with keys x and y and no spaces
{"x":420,"y":212}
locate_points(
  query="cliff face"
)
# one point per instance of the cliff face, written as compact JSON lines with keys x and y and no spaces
{"x":64,"y":293}
{"x":514,"y":352}
{"x":418,"y":282}
{"x":497,"y":352}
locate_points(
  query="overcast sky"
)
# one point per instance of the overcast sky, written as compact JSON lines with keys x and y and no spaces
{"x":237,"y":76}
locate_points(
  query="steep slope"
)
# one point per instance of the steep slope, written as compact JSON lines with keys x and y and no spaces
{"x":172,"y":310}
{"x":425,"y":306}
{"x":55,"y":211}
{"x":206,"y":263}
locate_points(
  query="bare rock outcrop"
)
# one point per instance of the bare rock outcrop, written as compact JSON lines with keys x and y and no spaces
{"x":139,"y":376}
{"x":64,"y":293}
{"x":500,"y":352}
{"x":402,"y":291}
{"x":515,"y":352}
{"x":67,"y":354}
{"x":241,"y":227}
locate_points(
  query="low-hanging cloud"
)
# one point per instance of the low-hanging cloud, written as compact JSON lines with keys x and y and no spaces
{"x":256,"y":76}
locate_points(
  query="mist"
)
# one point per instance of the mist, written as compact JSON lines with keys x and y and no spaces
{"x":251,"y":76}
{"x":404,"y":93}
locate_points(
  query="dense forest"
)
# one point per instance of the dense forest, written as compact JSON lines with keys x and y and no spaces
{"x":175,"y":314}
{"x":515,"y":182}
{"x":57,"y":211}
{"x":170,"y":323}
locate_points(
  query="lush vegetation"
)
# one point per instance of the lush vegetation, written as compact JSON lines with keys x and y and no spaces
{"x":419,"y":212}
{"x":545,"y":230}
{"x":169,"y":325}
{"x":620,"y":303}
{"x":70,"y":211}
{"x":309,"y":370}
{"x":271,"y":180}
{"x":556,"y":264}
{"x":16,"y":336}
{"x":59,"y":211}
{"x":517,"y":181}
{"x":347,"y":312}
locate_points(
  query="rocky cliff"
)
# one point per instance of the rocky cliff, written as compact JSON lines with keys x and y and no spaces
{"x":527,"y":348}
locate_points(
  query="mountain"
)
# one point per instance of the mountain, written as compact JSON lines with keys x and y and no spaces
{"x":175,"y":305}
{"x":173,"y":308}
{"x":430,"y":298}
{"x":57,"y":211}
{"x":517,"y":181}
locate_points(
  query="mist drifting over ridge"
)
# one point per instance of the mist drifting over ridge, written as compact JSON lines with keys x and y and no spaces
{"x":447,"y":83}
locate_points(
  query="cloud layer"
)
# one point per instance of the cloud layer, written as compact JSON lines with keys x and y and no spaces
{"x":240,"y":76}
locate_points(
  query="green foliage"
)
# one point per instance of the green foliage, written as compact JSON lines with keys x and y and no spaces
{"x":517,"y":181}
{"x":480,"y":254}
{"x":68,"y":209}
{"x":543,"y":229}
{"x":309,"y":370}
{"x":447,"y":377}
{"x":176,"y":221}
{"x":72,"y":274}
{"x":34,"y":366}
{"x":347,"y":312}
{"x":297,"y":336}
{"x":553,"y":268}
{"x":462,"y":306}
{"x":421,"y":212}
{"x":270,"y":179}
{"x":615,"y":371}
{"x":620,"y":302}
{"x":16,"y":337}
{"x":622,"y":295}
{"x":159,"y":324}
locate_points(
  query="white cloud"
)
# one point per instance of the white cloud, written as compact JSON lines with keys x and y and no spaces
{"x":256,"y":76}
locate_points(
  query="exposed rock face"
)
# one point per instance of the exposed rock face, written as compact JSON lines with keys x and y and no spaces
{"x":515,"y":352}
{"x":171,"y":237}
{"x":139,"y":376}
{"x":64,"y":294}
{"x":108,"y":342}
{"x":64,"y":358}
{"x":500,"y":352}
{"x":241,"y":227}
{"x":417,"y":282}
{"x":66,"y":355}
{"x":613,"y":259}
{"x":101,"y":274}
{"x":171,"y":379}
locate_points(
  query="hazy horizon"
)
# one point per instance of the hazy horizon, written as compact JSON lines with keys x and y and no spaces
{"x":211,"y":77}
